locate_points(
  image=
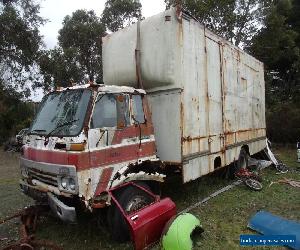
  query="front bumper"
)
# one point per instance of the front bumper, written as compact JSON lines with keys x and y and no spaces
{"x":61,"y":210}
{"x":39,"y":187}
{"x":34,"y":193}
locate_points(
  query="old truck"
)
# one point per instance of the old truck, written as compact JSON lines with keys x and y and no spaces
{"x":176,"y":96}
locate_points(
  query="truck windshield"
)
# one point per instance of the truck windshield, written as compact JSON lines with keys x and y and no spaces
{"x":61,"y":113}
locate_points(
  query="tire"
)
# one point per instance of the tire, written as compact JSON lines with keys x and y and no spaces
{"x":131,"y":199}
{"x":253,"y":184}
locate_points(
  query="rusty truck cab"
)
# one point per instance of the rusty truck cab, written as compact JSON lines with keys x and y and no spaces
{"x":85,"y":140}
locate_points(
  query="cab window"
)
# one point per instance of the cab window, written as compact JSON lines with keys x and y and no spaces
{"x":137,"y":106}
{"x":105,"y":113}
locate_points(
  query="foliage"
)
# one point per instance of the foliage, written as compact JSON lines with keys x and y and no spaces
{"x":14,"y":113}
{"x":59,"y":68}
{"x":20,"y":44}
{"x":283,"y":123}
{"x":81,"y":38}
{"x":118,"y":14}
{"x":20,"y":41}
{"x":278,"y":46}
{"x":79,"y":53}
{"x":236,"y":20}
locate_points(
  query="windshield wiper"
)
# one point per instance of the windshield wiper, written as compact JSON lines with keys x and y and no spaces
{"x":61,"y":125}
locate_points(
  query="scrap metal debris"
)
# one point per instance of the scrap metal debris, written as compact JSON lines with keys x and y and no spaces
{"x":293,"y":183}
{"x":147,"y":223}
{"x":251,"y":179}
{"x":269,"y":224}
{"x":29,"y":217}
{"x":178,"y":231}
{"x":280,"y":166}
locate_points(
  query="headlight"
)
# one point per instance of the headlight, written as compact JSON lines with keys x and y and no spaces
{"x":72,"y":184}
{"x":68,"y":183}
{"x":64,"y":182}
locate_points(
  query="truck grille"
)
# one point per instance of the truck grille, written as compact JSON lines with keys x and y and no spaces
{"x":47,"y":178}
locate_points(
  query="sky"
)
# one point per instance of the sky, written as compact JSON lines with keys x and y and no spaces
{"x":56,"y":10}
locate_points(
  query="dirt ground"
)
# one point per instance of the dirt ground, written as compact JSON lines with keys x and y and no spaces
{"x":224,"y":218}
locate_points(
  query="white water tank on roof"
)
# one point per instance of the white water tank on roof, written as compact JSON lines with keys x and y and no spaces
{"x":160,"y":53}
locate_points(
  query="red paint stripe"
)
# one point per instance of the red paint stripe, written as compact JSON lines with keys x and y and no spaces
{"x":121,"y":154}
{"x":46,"y":156}
{"x":86,"y":160}
{"x":104,"y":180}
{"x":55,"y":157}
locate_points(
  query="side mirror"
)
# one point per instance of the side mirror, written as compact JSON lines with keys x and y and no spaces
{"x":121,"y":111}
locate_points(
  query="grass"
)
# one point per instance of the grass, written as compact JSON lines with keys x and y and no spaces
{"x":224,"y":217}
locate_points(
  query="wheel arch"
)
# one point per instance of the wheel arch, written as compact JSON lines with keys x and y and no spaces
{"x":150,"y":171}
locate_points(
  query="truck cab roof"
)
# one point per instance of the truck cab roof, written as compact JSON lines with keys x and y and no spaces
{"x":106,"y":88}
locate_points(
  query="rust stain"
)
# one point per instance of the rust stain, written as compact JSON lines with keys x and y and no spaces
{"x":181,"y":121}
{"x":179,"y":12}
{"x":189,"y":139}
{"x":228,"y":138}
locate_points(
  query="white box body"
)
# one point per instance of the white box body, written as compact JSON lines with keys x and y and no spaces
{"x":207,"y":97}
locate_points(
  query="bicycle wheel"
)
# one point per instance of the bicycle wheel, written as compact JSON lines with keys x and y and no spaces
{"x":253,"y":184}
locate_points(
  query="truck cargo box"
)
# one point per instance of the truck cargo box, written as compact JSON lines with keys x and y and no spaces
{"x":207,"y":97}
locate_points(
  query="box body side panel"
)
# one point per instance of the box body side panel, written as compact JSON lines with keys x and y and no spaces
{"x":223,"y":102}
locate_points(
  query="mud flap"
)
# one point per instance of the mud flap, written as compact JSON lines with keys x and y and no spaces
{"x":146,"y":225}
{"x":269,"y":224}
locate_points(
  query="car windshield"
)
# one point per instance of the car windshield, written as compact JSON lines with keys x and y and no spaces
{"x":62,"y":113}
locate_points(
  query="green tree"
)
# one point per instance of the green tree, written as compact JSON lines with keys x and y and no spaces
{"x":79,"y":53}
{"x":59,"y":68}
{"x":278,"y":46}
{"x":81,"y":39}
{"x":236,"y":20}
{"x":118,"y":14}
{"x":15,"y":114}
{"x":20,"y":42}
{"x":20,"y":45}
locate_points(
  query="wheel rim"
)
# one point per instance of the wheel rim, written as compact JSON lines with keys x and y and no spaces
{"x":136,"y":203}
{"x":254,"y":184}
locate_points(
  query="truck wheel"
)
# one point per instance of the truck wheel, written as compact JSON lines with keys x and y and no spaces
{"x":131,"y":199}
